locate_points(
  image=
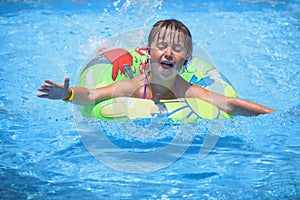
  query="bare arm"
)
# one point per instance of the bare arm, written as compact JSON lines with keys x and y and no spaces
{"x":247,"y":108}
{"x":231,"y":105}
{"x":85,"y":96}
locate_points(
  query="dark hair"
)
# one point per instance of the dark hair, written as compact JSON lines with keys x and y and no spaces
{"x":173,"y":25}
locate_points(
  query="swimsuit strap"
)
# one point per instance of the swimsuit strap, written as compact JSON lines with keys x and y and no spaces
{"x":145,"y":87}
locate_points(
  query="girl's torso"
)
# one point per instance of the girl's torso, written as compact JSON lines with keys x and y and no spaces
{"x":147,"y":90}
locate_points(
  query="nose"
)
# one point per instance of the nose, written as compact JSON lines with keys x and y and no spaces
{"x":168,"y":54}
{"x":168,"y":57}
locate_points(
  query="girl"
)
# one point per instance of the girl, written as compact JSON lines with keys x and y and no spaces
{"x":169,"y":50}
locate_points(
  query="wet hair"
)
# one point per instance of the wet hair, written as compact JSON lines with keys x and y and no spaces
{"x":162,"y":26}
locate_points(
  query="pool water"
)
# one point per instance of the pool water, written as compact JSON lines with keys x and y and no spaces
{"x":255,"y":44}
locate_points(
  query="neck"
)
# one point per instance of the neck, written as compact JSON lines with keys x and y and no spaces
{"x":163,"y":88}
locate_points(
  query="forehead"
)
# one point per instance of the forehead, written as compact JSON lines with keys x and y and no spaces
{"x":169,"y":35}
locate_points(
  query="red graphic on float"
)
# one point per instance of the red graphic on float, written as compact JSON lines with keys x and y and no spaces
{"x":122,"y":60}
{"x":119,"y":59}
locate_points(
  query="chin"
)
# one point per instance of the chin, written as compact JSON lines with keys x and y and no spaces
{"x":167,"y":74}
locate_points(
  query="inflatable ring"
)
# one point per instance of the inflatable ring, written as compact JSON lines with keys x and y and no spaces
{"x":125,"y":63}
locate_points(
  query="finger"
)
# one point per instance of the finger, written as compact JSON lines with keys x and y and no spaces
{"x":46,"y":86}
{"x":43,"y":90}
{"x":42,"y":95}
{"x":67,"y":82}
{"x":50,"y":82}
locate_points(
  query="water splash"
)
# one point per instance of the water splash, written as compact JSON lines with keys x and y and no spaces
{"x":133,"y":11}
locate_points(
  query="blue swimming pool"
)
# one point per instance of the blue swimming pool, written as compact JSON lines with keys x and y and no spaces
{"x":255,"y":44}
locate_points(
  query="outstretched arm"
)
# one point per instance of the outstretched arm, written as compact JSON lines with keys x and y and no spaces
{"x":244,"y":107}
{"x":235,"y":106}
{"x":82,"y":95}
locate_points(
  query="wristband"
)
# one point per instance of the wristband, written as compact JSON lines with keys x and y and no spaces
{"x":70,"y":98}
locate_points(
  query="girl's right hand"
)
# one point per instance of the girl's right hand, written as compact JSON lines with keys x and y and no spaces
{"x":52,"y":90}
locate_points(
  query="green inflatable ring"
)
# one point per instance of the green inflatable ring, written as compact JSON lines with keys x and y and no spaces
{"x":125,"y":63}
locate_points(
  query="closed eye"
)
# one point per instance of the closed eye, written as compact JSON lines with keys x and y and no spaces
{"x":162,"y":45}
{"x":178,"y":48}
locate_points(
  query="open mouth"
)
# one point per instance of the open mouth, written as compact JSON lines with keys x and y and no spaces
{"x":166,"y":65}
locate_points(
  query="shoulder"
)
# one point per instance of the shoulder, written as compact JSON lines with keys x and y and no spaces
{"x":139,"y":83}
{"x":195,"y":91}
{"x":135,"y":82}
{"x":131,"y":87}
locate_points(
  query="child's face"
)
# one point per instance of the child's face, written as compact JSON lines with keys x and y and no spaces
{"x":168,"y":53}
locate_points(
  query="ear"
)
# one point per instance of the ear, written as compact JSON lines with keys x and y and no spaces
{"x":148,"y":54}
{"x":148,"y":50}
{"x":185,"y":62}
